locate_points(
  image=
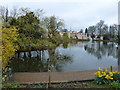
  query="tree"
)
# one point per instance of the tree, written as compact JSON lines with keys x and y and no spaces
{"x":30,"y":26}
{"x":113,"y":31}
{"x":14,"y":12}
{"x":86,"y":31}
{"x":53,"y":25}
{"x":99,"y":26}
{"x":9,"y":36}
{"x":39,"y":13}
{"x":4,"y":13}
{"x":93,"y":36}
{"x":64,"y":30}
{"x":91,"y":30}
{"x":81,"y":31}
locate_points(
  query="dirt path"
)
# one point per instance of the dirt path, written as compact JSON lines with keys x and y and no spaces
{"x":43,"y":77}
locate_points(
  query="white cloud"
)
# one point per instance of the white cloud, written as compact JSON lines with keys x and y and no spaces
{"x":77,"y":14}
{"x":59,"y":0}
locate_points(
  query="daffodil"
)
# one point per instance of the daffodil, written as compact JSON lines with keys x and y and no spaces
{"x":104,"y":73}
{"x":3,"y":78}
{"x":106,"y":69}
{"x":99,"y":69}
{"x":111,"y":73}
{"x":107,"y":77}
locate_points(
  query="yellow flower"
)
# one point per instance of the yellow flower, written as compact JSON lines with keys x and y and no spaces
{"x":99,"y":75}
{"x":98,"y":72}
{"x":95,"y":73}
{"x":3,"y":78}
{"x":111,"y":78}
{"x":106,"y":69}
{"x":99,"y":69}
{"x":104,"y":73}
{"x":107,"y":77}
{"x":111,"y":73}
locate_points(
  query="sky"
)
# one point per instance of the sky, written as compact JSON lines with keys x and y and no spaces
{"x":77,"y":14}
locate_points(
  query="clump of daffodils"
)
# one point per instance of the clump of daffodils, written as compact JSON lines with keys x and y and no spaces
{"x":3,"y":78}
{"x":103,"y":76}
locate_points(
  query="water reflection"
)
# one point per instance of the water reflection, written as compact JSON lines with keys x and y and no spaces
{"x":101,"y":49}
{"x":67,"y":57}
{"x":37,"y":61}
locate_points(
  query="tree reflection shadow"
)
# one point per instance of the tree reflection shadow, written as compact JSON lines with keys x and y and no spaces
{"x":39,"y":61}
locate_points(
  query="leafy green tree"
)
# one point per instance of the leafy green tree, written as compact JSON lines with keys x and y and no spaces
{"x":65,"y":40}
{"x":56,"y":38}
{"x":53,"y":25}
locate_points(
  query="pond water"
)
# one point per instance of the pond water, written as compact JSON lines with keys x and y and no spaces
{"x":75,"y":57}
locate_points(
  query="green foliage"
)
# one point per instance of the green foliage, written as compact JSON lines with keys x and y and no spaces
{"x":41,"y":85}
{"x":116,"y":77}
{"x":65,"y":37}
{"x":9,"y":85}
{"x":115,"y":84}
{"x":30,"y":26}
{"x":56,"y":38}
{"x":65,"y":40}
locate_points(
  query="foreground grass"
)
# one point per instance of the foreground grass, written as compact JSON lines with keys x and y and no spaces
{"x":86,"y":84}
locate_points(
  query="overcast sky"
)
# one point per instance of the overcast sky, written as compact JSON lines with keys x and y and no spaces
{"x":77,"y":14}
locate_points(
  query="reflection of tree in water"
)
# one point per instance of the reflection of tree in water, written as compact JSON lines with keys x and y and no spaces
{"x":57,"y":61}
{"x":28,"y":62}
{"x":100,"y":49}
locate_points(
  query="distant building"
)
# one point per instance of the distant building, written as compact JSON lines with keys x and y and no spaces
{"x":76,"y":35}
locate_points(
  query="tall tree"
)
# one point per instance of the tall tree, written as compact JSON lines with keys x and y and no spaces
{"x":86,"y":31}
{"x":91,"y":30}
{"x":113,"y":31}
{"x":99,"y":27}
{"x":53,"y":25}
{"x":81,"y":31}
{"x":4,"y":13}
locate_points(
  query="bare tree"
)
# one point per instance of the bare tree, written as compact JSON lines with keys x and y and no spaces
{"x":14,"y":12}
{"x":91,"y":30}
{"x":4,"y":13}
{"x":99,"y":27}
{"x":39,"y":13}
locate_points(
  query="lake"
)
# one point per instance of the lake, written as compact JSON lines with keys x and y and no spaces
{"x":75,"y":57}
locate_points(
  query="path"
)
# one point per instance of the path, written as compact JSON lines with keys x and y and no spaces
{"x":42,"y":77}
